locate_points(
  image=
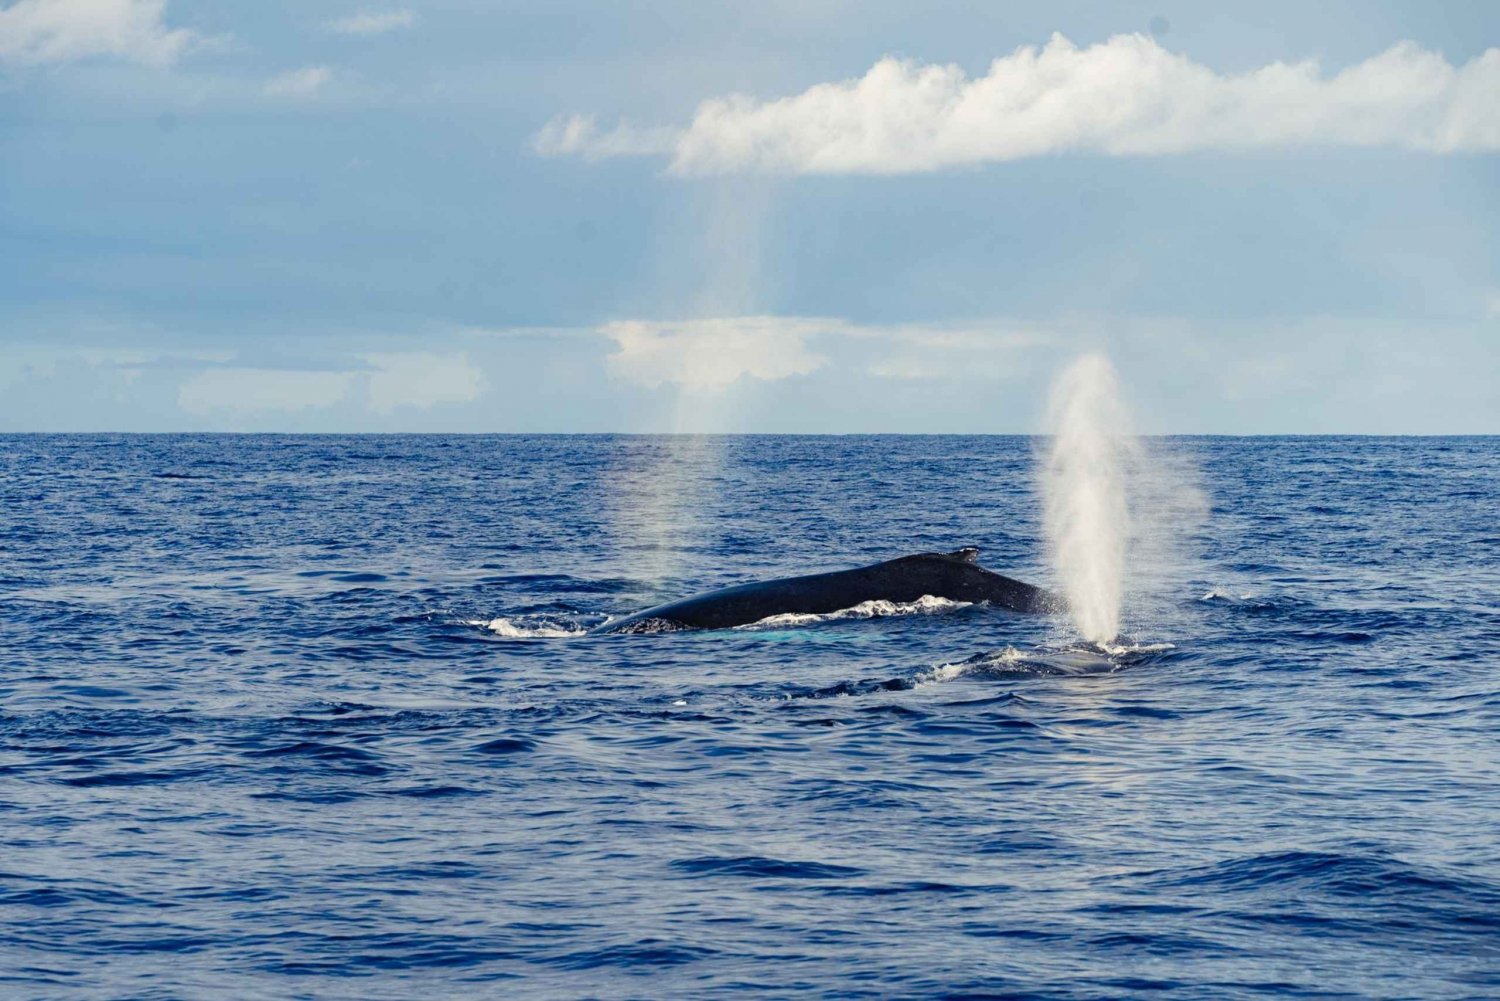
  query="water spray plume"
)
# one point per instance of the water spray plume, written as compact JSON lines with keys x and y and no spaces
{"x":1084,"y":488}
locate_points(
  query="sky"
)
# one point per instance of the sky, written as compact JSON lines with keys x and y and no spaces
{"x":813,"y":216}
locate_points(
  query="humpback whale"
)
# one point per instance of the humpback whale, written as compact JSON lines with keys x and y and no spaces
{"x":956,"y":576}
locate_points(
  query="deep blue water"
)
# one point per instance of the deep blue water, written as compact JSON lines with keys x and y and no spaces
{"x":304,"y":717}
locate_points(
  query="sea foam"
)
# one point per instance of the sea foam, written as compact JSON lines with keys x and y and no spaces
{"x":877,"y":609}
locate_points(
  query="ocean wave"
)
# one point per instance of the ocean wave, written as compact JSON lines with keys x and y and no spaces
{"x":1364,"y":877}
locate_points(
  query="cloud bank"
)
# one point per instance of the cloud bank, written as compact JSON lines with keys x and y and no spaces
{"x":711,"y":354}
{"x":391,"y":381}
{"x":35,"y":32}
{"x":1127,"y":96}
{"x":422,"y":379}
{"x":775,"y":374}
{"x":254,"y":390}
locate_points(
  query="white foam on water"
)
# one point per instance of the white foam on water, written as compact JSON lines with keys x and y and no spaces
{"x":517,"y":629}
{"x":1132,"y":649}
{"x":877,"y":609}
{"x":948,"y":672}
{"x":1225,"y":594}
{"x":1076,"y":660}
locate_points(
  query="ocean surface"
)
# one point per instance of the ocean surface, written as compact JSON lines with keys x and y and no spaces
{"x":313,"y":717}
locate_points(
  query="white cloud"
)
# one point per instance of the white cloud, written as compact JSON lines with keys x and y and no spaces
{"x":372,"y":22}
{"x":34,"y":32}
{"x":1124,"y":97}
{"x":580,"y":134}
{"x":420,"y":379}
{"x":713,"y":353}
{"x":945,"y":352}
{"x":259,"y":390}
{"x":298,"y":83}
{"x":946,"y":337}
{"x":22,"y":362}
{"x":390,"y":380}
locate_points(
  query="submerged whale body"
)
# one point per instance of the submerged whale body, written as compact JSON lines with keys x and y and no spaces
{"x":956,"y":576}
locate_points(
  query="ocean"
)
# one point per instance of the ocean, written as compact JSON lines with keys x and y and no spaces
{"x":316,"y":717}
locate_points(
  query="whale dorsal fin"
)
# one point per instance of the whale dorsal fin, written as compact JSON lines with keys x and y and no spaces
{"x":968,"y":554}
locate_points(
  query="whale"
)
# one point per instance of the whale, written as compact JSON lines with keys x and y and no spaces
{"x":956,"y":576}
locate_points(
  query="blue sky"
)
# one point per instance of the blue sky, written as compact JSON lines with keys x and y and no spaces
{"x":810,"y":217}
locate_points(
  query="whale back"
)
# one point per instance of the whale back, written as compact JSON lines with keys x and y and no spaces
{"x":956,"y":576}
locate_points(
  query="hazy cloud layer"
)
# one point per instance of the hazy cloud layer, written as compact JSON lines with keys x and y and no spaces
{"x":34,"y":32}
{"x":390,"y":381}
{"x":372,"y":22}
{"x":769,"y":373}
{"x":580,"y":134}
{"x":713,"y":353}
{"x":420,"y":379}
{"x":20,"y":364}
{"x":1128,"y":96}
{"x":258,"y":390}
{"x":302,"y":82}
